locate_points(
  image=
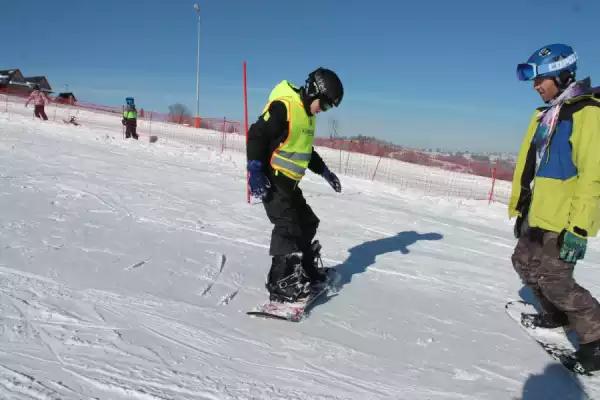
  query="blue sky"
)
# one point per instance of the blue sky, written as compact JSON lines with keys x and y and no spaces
{"x":427,"y":73}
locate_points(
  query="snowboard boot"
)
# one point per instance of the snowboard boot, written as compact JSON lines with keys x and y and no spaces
{"x":545,"y":321}
{"x":285,"y":281}
{"x":588,"y":356}
{"x":311,"y":259}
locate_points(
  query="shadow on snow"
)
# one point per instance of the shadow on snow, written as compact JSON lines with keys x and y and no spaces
{"x":365,"y":255}
{"x":553,"y":383}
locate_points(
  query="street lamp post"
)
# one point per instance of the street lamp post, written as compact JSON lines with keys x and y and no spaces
{"x":198,"y":72}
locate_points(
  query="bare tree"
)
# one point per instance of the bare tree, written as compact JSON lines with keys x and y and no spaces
{"x":178,"y":113}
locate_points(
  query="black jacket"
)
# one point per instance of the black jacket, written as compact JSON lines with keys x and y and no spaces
{"x":265,"y":136}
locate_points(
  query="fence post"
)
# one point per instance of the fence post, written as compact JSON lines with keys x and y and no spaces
{"x":493,"y":182}
{"x":377,"y":166}
{"x":347,"y":161}
{"x":123,"y":126}
{"x":223,"y":135}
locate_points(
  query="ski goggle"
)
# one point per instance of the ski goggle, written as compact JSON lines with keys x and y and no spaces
{"x":325,"y":104}
{"x":529,"y":71}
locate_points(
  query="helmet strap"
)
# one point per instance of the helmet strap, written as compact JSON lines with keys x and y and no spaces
{"x":306,"y":100}
{"x":564,"y":80}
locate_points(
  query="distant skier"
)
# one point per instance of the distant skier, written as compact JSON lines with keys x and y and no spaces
{"x":40,"y":99}
{"x":130,"y":119}
{"x":560,"y":156}
{"x":280,"y":149}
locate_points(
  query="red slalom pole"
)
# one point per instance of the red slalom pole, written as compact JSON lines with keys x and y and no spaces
{"x":246,"y":126}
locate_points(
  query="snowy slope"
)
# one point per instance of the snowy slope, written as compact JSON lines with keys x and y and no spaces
{"x":428,"y":179}
{"x":126,"y":268}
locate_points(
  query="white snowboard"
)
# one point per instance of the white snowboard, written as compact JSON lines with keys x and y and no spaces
{"x":557,"y":345}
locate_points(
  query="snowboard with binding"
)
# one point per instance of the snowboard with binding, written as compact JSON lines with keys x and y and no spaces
{"x":554,"y":341}
{"x":557,"y":345}
{"x":296,"y":311}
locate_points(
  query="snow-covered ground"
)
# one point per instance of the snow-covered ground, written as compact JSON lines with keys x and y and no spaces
{"x":430,"y":180}
{"x":126,"y":269}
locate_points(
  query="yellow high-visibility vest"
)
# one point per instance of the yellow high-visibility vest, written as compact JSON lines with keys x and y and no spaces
{"x":292,"y":156}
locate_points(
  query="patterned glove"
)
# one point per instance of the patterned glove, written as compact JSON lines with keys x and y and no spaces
{"x":573,"y":247}
{"x":258,"y":182}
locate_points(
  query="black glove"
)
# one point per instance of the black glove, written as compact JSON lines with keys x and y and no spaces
{"x":517,"y":227}
{"x":332,"y":179}
{"x":523,"y":208}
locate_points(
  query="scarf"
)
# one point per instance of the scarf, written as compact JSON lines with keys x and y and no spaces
{"x":549,"y":118}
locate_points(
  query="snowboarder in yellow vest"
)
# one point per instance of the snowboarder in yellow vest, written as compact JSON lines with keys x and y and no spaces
{"x":130,"y":119}
{"x":279,"y":151}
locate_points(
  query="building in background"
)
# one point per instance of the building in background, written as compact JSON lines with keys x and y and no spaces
{"x":14,"y":82}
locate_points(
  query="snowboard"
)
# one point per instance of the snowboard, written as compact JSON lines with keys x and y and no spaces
{"x":296,"y":311}
{"x":556,"y":343}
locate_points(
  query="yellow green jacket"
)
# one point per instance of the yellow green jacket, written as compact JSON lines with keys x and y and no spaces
{"x":566,"y":187}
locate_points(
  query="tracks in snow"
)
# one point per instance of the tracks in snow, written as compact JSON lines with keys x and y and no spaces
{"x":60,"y":343}
{"x":220,"y":266}
{"x":220,"y":263}
{"x":136,"y":265}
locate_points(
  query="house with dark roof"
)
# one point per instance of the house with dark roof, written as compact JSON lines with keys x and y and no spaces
{"x":9,"y":76}
{"x":13,"y":80}
{"x":65,"y":98}
{"x":41,"y":81}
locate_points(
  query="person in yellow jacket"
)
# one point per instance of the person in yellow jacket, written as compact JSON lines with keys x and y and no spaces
{"x":130,"y":119}
{"x":556,"y":197}
{"x":279,"y":151}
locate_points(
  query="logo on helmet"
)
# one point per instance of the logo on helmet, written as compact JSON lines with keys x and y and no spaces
{"x":544,"y":52}
{"x":565,"y":62}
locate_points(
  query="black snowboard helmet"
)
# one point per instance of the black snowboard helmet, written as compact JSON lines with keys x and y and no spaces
{"x":325,"y":85}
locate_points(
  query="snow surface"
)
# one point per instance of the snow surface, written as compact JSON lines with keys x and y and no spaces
{"x":126,"y":269}
{"x":427,"y":179}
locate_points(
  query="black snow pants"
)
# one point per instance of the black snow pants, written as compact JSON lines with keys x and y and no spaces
{"x":295,"y":223}
{"x":131,"y":129}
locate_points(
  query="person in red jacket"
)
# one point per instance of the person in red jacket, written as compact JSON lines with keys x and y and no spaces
{"x":40,"y":99}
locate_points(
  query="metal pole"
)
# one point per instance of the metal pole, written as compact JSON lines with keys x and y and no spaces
{"x":198,"y":72}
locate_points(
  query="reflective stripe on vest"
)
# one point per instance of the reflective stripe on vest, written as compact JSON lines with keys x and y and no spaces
{"x":295,"y":156}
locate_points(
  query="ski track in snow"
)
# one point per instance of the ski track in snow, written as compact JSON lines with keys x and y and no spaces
{"x":126,"y":270}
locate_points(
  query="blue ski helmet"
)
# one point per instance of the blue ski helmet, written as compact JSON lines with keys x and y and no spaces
{"x":552,"y":61}
{"x":129,"y":101}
